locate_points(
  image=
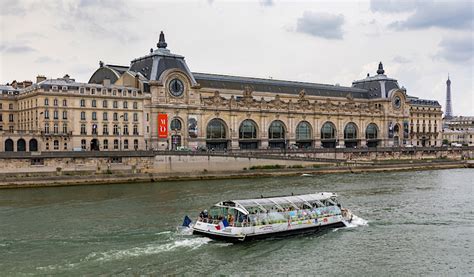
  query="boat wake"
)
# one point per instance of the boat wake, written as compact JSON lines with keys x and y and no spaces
{"x":356,"y":222}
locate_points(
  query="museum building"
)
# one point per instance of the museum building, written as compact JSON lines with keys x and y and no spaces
{"x":158,"y":103}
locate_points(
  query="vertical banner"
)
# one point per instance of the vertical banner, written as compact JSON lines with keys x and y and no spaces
{"x":192,"y":126}
{"x":405,"y":129}
{"x":162,"y":125}
{"x":390,"y":129}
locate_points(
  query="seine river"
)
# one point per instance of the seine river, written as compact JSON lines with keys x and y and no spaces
{"x":411,"y":223}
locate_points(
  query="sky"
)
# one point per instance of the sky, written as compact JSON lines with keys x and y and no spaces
{"x":330,"y":42}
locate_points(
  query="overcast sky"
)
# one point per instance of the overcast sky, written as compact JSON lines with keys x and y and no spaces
{"x":419,"y":42}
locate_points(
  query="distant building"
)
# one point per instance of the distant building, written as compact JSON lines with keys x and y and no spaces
{"x":459,"y":129}
{"x":119,"y":108}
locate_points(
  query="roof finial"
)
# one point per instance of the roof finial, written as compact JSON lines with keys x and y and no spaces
{"x":380,"y":70}
{"x":162,"y":43}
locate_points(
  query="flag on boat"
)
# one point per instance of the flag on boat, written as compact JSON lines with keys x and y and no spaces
{"x":187,"y":221}
{"x":222,"y":224}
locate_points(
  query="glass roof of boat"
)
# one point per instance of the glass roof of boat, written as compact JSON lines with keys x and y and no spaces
{"x":293,"y":200}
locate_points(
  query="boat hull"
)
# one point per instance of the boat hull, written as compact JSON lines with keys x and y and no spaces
{"x":285,"y":233}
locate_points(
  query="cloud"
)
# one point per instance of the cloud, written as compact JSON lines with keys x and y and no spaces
{"x":267,"y":3}
{"x":456,"y":49}
{"x":321,"y":25}
{"x":16,"y":49}
{"x":46,"y":59}
{"x":12,"y":7}
{"x":427,"y":14}
{"x":400,"y":59}
{"x":392,"y":6}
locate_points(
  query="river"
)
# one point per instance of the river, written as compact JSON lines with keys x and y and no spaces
{"x":411,"y":223}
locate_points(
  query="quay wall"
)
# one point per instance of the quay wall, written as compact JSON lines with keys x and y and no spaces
{"x":100,"y":167}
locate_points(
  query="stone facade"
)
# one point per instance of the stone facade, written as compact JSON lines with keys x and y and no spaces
{"x":459,"y":129}
{"x":209,"y":111}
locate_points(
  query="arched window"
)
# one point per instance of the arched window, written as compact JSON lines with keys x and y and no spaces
{"x":303,"y":131}
{"x":276,"y":130}
{"x":328,"y":131}
{"x":175,"y":124}
{"x":9,"y":145}
{"x":33,"y":145}
{"x":21,"y":145}
{"x":216,"y":129}
{"x":371,"y":131}
{"x":350,"y":132}
{"x":248,"y":129}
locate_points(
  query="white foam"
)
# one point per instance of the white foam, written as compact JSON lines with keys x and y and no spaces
{"x":164,"y":232}
{"x":356,"y":222}
{"x":149,"y":249}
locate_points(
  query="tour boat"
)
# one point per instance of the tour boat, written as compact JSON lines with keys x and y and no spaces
{"x":243,"y":220}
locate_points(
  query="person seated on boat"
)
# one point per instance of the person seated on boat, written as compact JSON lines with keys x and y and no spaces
{"x":230,"y":219}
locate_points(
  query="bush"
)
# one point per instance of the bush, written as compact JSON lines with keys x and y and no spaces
{"x":274,"y":166}
{"x":296,"y":166}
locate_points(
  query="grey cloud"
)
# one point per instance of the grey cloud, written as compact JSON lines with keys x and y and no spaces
{"x":16,"y":49}
{"x":323,"y":25}
{"x":400,"y":59}
{"x":426,"y":14}
{"x":12,"y":7}
{"x":392,"y":5}
{"x":267,"y":3}
{"x":456,"y":49}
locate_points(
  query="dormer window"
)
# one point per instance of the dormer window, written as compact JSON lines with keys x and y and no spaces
{"x":81,"y":90}
{"x":55,"y":88}
{"x":93,"y":91}
{"x":64,"y":88}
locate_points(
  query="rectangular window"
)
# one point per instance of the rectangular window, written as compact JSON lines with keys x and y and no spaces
{"x":115,"y":116}
{"x":106,"y":144}
{"x":105,"y":130}
{"x":83,"y":103}
{"x":115,"y":104}
{"x":94,"y":115}
{"x":125,"y":117}
{"x":125,"y":104}
{"x":135,"y":105}
{"x":46,"y":102}
{"x":64,"y":114}
{"x":83,"y":115}
{"x":104,"y":104}
{"x":1,"y":117}
{"x":55,"y":114}
{"x":94,"y":103}
{"x":65,"y":128}
{"x":135,"y":116}
{"x":116,"y":144}
{"x":64,"y":103}
{"x":10,"y":118}
{"x":104,"y":116}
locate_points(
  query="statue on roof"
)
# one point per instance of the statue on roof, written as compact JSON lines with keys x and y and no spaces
{"x":380,"y":70}
{"x":162,"y":43}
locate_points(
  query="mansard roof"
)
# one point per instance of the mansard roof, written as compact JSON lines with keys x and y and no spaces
{"x":216,"y":81}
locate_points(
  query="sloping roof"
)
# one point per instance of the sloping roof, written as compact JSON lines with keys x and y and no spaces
{"x":216,"y":81}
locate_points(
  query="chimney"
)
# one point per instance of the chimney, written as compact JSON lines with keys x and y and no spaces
{"x":40,"y":78}
{"x":27,"y":84}
{"x":137,"y":81}
{"x":14,"y":84}
{"x":106,"y":82}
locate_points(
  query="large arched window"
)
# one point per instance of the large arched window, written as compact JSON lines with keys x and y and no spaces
{"x":175,"y":124}
{"x":350,"y":131}
{"x":303,"y":131}
{"x":33,"y":145}
{"x":328,"y":131}
{"x":216,"y":129}
{"x":9,"y":145}
{"x":248,"y":130}
{"x":21,"y":145}
{"x":276,"y":130}
{"x":371,"y":131}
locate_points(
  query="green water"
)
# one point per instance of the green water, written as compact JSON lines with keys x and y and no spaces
{"x":419,"y":223}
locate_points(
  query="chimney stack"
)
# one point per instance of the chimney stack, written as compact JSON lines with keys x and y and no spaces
{"x":40,"y":78}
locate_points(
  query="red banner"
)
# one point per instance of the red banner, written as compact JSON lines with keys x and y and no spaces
{"x":162,"y":125}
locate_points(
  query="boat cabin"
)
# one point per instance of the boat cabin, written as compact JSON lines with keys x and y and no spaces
{"x":273,"y":210}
